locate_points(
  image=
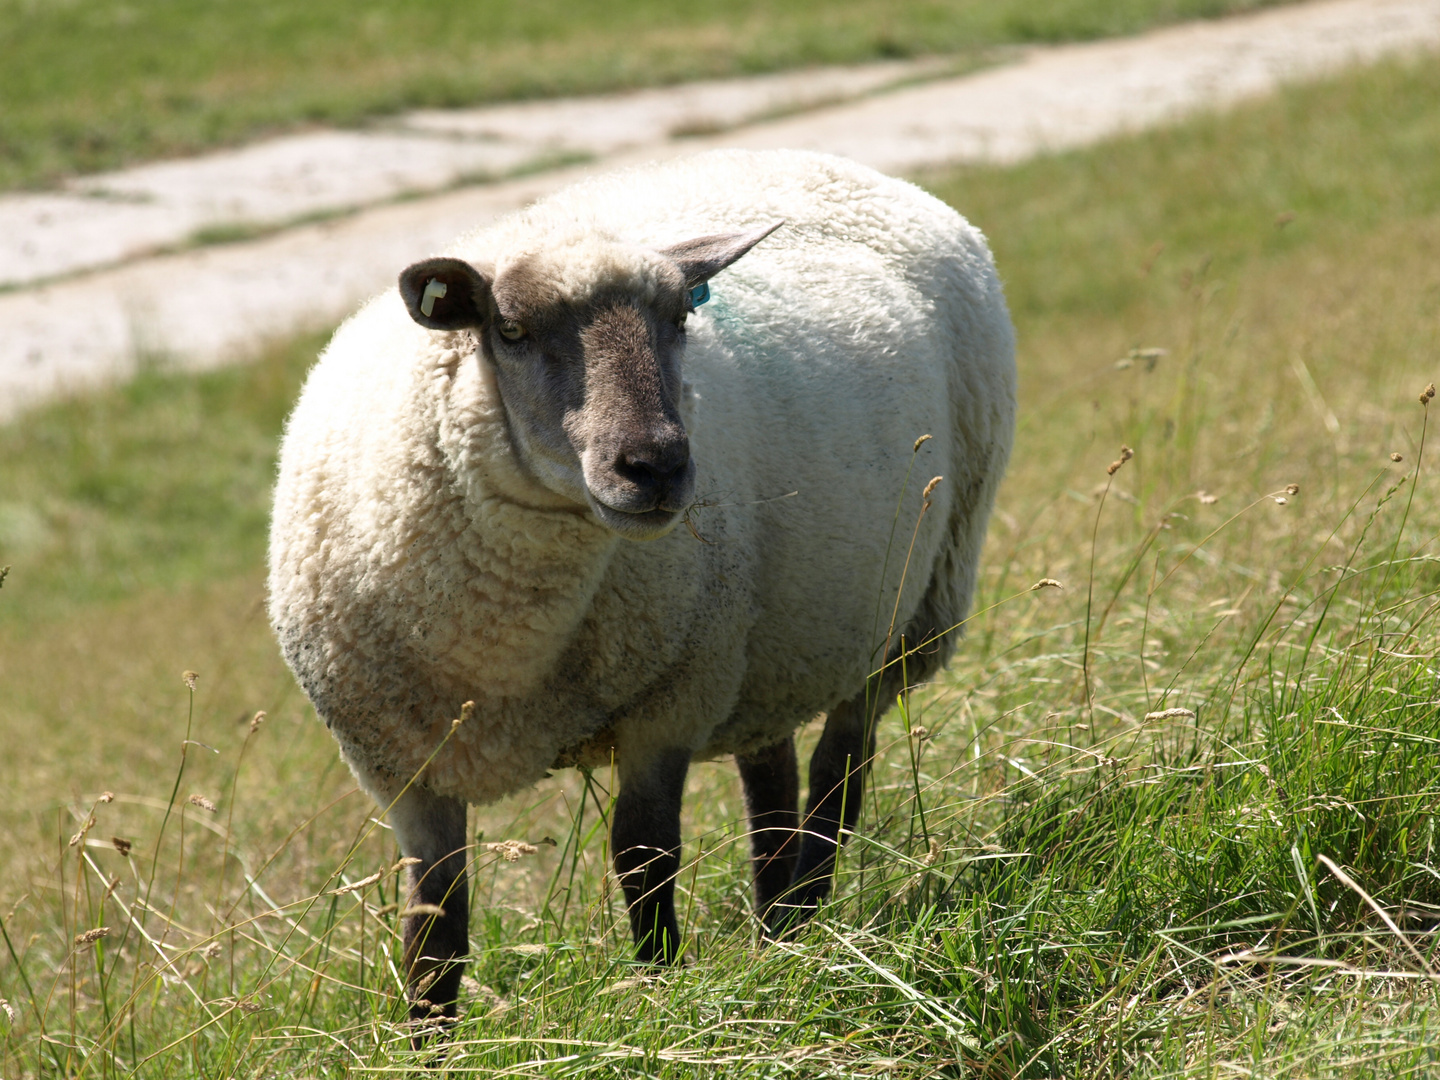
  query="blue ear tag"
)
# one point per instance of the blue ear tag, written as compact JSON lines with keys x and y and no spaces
{"x":699,"y":294}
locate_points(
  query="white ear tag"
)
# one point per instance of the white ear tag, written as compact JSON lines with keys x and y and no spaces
{"x":433,"y":290}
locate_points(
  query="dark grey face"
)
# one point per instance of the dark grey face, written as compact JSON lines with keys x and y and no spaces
{"x":591,"y":387}
{"x":593,"y":397}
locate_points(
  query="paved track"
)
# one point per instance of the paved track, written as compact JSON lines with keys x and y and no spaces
{"x":89,"y":298}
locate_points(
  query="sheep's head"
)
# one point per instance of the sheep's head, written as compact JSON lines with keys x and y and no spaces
{"x":586,"y":336}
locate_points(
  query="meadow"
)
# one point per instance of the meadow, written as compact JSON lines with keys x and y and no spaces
{"x":1174,"y":817}
{"x":91,"y":86}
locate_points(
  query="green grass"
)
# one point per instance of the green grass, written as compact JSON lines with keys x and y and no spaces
{"x":94,"y":86}
{"x":163,"y":481}
{"x":1059,"y":877}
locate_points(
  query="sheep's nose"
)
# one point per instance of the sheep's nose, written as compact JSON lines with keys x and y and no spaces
{"x":656,"y":464}
{"x":651,"y":470}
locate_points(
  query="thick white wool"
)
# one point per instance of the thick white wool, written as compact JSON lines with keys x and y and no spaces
{"x":415,"y":564}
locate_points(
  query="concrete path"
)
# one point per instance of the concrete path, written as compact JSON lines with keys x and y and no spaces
{"x":101,"y":220}
{"x":89,"y":296}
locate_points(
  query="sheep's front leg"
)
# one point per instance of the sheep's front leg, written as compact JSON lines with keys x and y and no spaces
{"x":771,"y":782}
{"x":431,"y":828}
{"x":837,"y":787}
{"x":645,"y":837}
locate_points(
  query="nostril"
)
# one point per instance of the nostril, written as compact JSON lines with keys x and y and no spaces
{"x":648,"y":469}
{"x":656,"y":463}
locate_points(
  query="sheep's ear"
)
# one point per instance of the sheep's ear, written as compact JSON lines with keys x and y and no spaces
{"x":445,"y":294}
{"x":705,"y":256}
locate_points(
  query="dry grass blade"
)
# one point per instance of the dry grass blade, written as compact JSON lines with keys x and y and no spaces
{"x":1350,"y":883}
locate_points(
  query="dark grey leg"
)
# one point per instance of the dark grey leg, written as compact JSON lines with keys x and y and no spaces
{"x":645,"y":836}
{"x":771,"y":782}
{"x":837,"y":786}
{"x":431,"y":828}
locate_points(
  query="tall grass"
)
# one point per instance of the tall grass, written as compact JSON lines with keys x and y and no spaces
{"x":1097,"y":889}
{"x":1172,"y":818}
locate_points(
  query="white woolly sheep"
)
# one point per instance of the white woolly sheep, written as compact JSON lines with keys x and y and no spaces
{"x":480,"y":486}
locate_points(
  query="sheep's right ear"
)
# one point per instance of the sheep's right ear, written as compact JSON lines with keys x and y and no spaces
{"x":702,"y":258}
{"x":445,"y":294}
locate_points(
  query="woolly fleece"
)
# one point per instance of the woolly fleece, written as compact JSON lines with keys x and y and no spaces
{"x":416,"y":563}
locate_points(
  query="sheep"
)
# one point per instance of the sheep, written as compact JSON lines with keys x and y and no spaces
{"x":546,"y":482}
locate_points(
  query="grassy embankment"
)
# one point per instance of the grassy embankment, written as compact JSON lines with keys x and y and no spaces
{"x":1063,"y":877}
{"x":85,"y":87}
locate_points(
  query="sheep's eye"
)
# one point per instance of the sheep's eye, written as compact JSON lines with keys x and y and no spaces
{"x":511,"y":331}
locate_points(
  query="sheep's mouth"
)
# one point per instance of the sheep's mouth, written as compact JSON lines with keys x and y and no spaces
{"x":636,"y":525}
{"x":637,"y":503}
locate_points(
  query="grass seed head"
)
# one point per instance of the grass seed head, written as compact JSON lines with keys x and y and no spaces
{"x":423,"y":909}
{"x":1207,"y":499}
{"x":79,"y":836}
{"x":1170,"y":714}
{"x":1397,"y":458}
{"x":121,"y":845}
{"x":1292,"y":489}
{"x":202,"y":802}
{"x":248,"y":1006}
{"x":1149,"y":355}
{"x":9,"y":1012}
{"x":358,"y":886}
{"x":511,"y":850}
{"x":92,"y":935}
{"x":930,"y":488}
{"x":933,"y":855}
{"x":256,"y":721}
{"x":1046,"y":583}
{"x":1125,"y":455}
{"x":1427,"y":394}
{"x":921,"y":441}
{"x":190,"y":678}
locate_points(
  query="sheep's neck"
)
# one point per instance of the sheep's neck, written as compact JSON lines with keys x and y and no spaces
{"x":501,"y":593}
{"x":515,"y":568}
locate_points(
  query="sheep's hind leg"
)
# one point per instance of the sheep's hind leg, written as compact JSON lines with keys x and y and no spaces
{"x":645,"y":836}
{"x":771,"y":782}
{"x":837,"y":786}
{"x":431,"y":828}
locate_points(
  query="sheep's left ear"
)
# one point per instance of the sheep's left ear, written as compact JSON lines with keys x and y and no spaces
{"x":445,"y":294}
{"x":705,"y":256}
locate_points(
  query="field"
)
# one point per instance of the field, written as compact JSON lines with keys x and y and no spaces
{"x":1175,"y":818}
{"x":86,"y":87}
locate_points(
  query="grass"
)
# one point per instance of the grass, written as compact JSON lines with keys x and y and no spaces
{"x":1174,"y":819}
{"x":163,"y":481}
{"x":87,"y":87}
